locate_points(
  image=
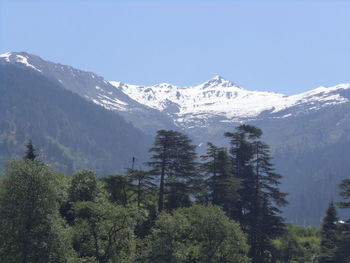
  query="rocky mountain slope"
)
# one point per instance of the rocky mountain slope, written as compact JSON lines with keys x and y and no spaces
{"x":94,"y":88}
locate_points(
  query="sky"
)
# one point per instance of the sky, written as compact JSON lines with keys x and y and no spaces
{"x":281,"y":46}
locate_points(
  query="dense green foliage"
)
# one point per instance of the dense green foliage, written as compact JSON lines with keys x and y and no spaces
{"x":224,"y":209}
{"x":103,"y":232}
{"x":48,"y":217}
{"x":31,"y":229}
{"x":195,"y":234}
{"x":32,"y":196}
{"x":297,"y":245}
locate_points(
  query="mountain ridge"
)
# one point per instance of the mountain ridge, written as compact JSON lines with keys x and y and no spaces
{"x":221,"y":98}
{"x":216,"y":100}
{"x":93,"y":88}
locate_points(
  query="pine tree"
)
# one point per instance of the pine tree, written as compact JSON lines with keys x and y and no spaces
{"x":222,"y":186}
{"x":329,"y":236}
{"x":173,"y":161}
{"x":345,"y":193}
{"x":258,"y":209}
{"x":343,"y":252}
{"x":142,"y":183}
{"x":241,"y":153}
{"x":119,"y":187}
{"x":30,"y":152}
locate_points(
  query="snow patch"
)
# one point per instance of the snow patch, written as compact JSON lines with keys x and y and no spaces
{"x":6,"y":56}
{"x":24,"y":60}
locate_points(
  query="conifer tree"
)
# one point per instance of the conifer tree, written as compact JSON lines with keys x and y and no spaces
{"x":119,"y":187}
{"x":241,"y":154}
{"x":173,"y":162}
{"x":258,"y":209}
{"x":142,"y":183}
{"x":345,"y":193}
{"x":30,"y":152}
{"x":329,"y":236}
{"x":343,"y":252}
{"x":222,"y":186}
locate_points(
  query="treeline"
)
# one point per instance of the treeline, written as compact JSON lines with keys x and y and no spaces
{"x":225,"y":208}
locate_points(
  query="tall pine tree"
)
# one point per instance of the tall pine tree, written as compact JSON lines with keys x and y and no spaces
{"x":222,"y":187}
{"x":329,"y":236}
{"x":142,"y":184}
{"x":258,"y":209}
{"x":174,"y":163}
{"x":343,"y":252}
{"x":30,"y":151}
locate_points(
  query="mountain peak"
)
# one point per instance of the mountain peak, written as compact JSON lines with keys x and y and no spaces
{"x":20,"y":57}
{"x":218,"y":80}
{"x":163,"y":84}
{"x":16,"y":54}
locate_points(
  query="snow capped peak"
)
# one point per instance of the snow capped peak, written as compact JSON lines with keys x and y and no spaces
{"x":327,"y":90}
{"x":163,"y":85}
{"x":19,"y":57}
{"x":220,"y":98}
{"x":6,"y":56}
{"x":24,"y":60}
{"x":218,"y":81}
{"x":216,"y":100}
{"x":218,"y":77}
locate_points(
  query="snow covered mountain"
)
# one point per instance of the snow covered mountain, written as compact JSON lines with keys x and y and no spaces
{"x":220,"y":100}
{"x":166,"y":106}
{"x":93,"y":88}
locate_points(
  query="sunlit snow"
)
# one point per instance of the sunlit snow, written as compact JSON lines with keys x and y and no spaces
{"x":19,"y":59}
{"x":220,"y":97}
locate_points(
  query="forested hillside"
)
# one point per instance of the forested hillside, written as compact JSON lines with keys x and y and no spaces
{"x":222,"y":208}
{"x":68,"y":131}
{"x":311,"y":151}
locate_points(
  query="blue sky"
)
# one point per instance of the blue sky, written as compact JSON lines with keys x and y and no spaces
{"x":282,"y":46}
